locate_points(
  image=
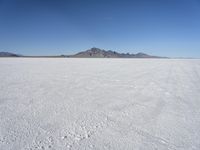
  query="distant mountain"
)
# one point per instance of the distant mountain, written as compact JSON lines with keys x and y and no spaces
{"x":7,"y":54}
{"x":100,"y":53}
{"x":91,"y":53}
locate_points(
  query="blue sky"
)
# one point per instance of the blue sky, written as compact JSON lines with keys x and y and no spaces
{"x":49,"y":27}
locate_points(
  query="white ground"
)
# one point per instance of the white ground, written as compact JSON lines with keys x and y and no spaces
{"x":60,"y":104}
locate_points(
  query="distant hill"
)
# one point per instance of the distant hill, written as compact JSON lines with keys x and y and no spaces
{"x":91,"y":53}
{"x":7,"y":54}
{"x":100,"y":53}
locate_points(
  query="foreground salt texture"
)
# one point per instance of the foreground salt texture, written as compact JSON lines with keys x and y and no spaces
{"x":60,"y":104}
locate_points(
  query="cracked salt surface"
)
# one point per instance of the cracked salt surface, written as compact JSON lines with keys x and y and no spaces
{"x":99,"y":104}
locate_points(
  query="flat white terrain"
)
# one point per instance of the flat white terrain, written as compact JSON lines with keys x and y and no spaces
{"x":103,"y":104}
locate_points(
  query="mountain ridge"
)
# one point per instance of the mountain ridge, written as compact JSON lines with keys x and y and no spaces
{"x":8,"y":54}
{"x":101,"y":53}
{"x":90,"y":53}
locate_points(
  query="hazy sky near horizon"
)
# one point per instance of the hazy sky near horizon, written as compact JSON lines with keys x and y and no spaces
{"x":49,"y":27}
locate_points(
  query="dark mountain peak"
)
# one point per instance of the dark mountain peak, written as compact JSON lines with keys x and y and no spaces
{"x":94,"y":49}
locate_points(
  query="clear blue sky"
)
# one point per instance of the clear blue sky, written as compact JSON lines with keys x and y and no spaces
{"x":48,"y":27}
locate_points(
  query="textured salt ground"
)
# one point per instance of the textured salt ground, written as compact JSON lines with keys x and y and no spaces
{"x":59,"y":104}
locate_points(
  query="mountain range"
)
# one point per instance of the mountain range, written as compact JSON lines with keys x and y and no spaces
{"x":100,"y":53}
{"x":91,"y":53}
